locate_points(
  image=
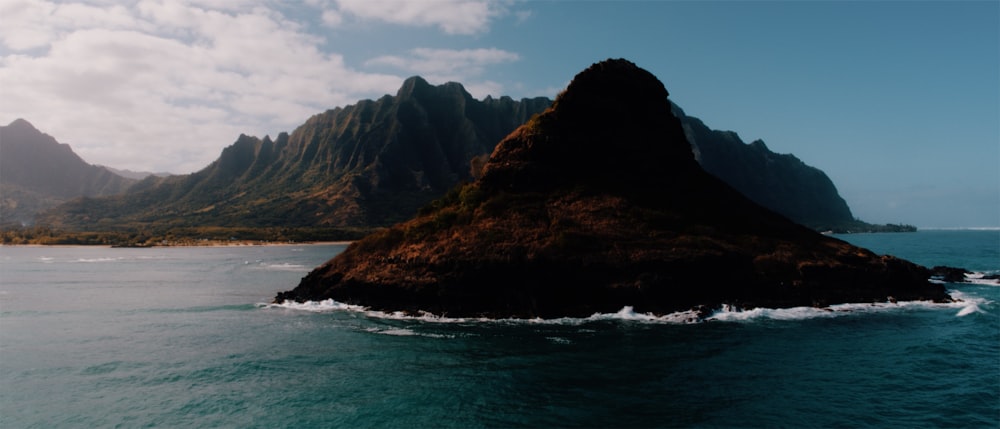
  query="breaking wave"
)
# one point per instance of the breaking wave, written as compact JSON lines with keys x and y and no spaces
{"x":979,"y":278}
{"x":964,"y":304}
{"x":404,"y":332}
{"x":283,"y":267}
{"x":93,"y":260}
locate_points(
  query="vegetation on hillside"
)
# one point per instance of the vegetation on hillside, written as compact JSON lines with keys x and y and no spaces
{"x":188,"y":236}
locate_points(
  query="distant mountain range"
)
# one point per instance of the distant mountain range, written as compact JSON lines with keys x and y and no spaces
{"x":375,"y":163}
{"x":780,"y":182}
{"x":137,"y":175}
{"x":38,"y":173}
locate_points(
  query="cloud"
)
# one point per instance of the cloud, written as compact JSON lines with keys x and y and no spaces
{"x":163,"y":85}
{"x":35,"y":24}
{"x":443,"y":65}
{"x":160,"y":85}
{"x":451,"y":16}
{"x":332,"y":18}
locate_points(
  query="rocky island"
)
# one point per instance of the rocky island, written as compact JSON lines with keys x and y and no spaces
{"x":596,"y":204}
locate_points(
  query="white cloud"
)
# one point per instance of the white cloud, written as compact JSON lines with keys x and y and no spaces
{"x":451,"y":16}
{"x":163,"y":85}
{"x":332,"y":18}
{"x":158,"y":85}
{"x":30,"y":24}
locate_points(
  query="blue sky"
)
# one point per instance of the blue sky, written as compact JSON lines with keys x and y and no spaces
{"x":897,"y":101}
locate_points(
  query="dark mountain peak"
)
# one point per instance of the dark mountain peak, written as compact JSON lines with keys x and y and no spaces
{"x":453,"y":87}
{"x":612,"y":124}
{"x":610,"y":85}
{"x":21,"y":132}
{"x":244,"y":140}
{"x":21,"y":124}
{"x":412,"y":83}
{"x":21,"y":139}
{"x":418,"y":87}
{"x":37,"y":172}
{"x":237,"y":157}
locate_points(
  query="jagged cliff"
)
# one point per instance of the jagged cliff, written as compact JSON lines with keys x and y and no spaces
{"x":376,"y":162}
{"x":596,"y":204}
{"x":37,"y":173}
{"x":780,"y":182}
{"x":368,"y":164}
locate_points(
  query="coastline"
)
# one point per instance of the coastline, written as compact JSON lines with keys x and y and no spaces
{"x":209,"y":243}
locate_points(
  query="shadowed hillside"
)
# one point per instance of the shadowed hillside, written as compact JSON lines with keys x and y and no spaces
{"x":367,"y":164}
{"x":37,"y":173}
{"x":376,"y":162}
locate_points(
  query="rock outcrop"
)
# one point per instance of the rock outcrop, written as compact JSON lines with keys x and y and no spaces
{"x":596,"y":204}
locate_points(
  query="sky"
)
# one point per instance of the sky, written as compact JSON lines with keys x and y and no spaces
{"x":897,"y":101}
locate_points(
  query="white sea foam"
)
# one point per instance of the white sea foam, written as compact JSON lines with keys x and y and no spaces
{"x":979,"y":279}
{"x":559,"y":340}
{"x":283,"y":267}
{"x":403,"y":332}
{"x":93,"y":260}
{"x":968,"y":304}
{"x":965,"y":304}
{"x":398,"y":332}
{"x":318,"y":306}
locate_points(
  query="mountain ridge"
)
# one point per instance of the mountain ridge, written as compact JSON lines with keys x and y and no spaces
{"x":376,"y":162}
{"x":369,"y":163}
{"x":541,"y":235}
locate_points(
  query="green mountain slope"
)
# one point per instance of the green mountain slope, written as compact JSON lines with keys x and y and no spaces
{"x":368,"y":164}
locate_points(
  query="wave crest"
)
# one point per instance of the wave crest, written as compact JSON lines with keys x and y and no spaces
{"x":965,"y":305}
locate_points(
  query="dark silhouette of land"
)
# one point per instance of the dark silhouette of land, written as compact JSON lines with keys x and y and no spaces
{"x":596,"y":204}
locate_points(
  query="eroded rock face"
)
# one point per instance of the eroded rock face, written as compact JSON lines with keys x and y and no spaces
{"x":596,"y":204}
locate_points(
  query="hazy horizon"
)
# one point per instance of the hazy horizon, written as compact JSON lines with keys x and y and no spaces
{"x":898,"y":102}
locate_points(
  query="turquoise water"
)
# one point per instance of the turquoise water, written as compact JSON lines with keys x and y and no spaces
{"x":181,"y":337}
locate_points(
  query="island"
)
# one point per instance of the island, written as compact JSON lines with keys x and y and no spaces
{"x":596,"y":204}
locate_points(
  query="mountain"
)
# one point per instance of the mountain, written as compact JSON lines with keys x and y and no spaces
{"x":376,"y":162}
{"x":780,"y":182}
{"x":37,"y":173}
{"x":368,"y":164}
{"x":137,"y":175}
{"x":597,"y":204}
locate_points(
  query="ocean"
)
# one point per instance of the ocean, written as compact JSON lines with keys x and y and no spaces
{"x":185,"y":337}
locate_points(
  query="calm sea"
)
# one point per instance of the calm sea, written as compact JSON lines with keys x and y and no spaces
{"x":182,"y":337}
